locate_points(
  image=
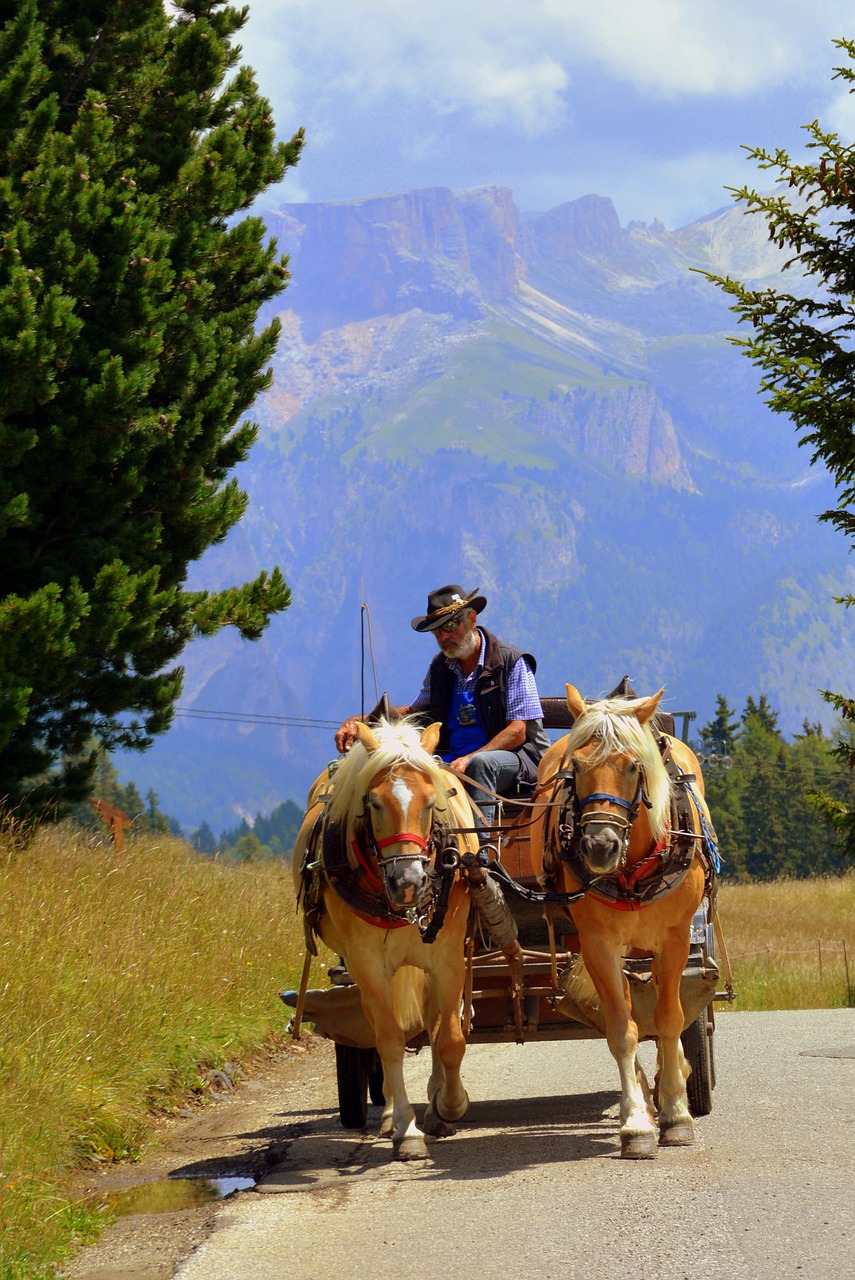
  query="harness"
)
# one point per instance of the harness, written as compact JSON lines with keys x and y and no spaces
{"x":661,"y":870}
{"x":352,"y":874}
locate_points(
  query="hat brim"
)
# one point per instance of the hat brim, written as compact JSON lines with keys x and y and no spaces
{"x":433,"y":621}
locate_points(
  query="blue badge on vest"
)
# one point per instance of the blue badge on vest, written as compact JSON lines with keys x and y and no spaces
{"x":465,"y":733}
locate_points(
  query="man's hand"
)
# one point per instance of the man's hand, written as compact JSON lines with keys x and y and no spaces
{"x":346,"y":735}
{"x":459,"y":765}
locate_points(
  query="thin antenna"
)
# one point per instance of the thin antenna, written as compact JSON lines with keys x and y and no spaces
{"x":365,"y":617}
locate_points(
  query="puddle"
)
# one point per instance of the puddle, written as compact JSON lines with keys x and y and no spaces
{"x":168,"y":1195}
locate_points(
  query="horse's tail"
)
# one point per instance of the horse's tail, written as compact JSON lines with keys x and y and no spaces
{"x":408,"y":998}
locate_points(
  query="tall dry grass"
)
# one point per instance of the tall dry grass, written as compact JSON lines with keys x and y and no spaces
{"x":121,"y":976}
{"x":791,"y":943}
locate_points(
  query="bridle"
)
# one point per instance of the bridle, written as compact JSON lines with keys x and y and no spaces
{"x":440,"y":859}
{"x":621,"y":822}
{"x":402,"y":837}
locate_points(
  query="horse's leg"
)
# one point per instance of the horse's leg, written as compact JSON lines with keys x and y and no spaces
{"x":447,"y":1098}
{"x":637,"y":1125}
{"x":399,"y":1118}
{"x":387,"y":1120}
{"x":436,"y":1080}
{"x":676,"y":1127}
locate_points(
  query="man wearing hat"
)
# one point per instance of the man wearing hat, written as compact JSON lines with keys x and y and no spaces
{"x":483,"y":692}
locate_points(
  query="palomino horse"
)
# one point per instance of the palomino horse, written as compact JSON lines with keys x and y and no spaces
{"x":363,"y":869}
{"x":629,"y":838}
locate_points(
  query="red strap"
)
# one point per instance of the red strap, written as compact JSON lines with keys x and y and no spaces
{"x":362,"y":860}
{"x":401,"y":838}
{"x":629,"y":881}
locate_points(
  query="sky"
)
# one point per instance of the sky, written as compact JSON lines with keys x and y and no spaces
{"x":649,"y":102}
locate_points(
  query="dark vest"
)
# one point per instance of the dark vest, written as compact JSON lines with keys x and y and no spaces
{"x":490,"y":700}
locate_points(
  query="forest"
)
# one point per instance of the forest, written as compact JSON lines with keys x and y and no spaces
{"x":768,"y":796}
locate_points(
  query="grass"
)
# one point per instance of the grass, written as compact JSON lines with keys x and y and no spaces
{"x":122,"y":977}
{"x":791,"y":943}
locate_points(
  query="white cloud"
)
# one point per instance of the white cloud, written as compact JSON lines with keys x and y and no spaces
{"x":699,"y":47}
{"x":501,"y":60}
{"x":638,"y":99}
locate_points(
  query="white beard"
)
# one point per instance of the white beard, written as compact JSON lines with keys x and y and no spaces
{"x":464,"y":648}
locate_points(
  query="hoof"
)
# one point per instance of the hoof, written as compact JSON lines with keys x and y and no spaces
{"x":638,"y":1146}
{"x":681,"y":1133}
{"x":440,"y":1114}
{"x":442,"y":1129}
{"x":410,"y":1148}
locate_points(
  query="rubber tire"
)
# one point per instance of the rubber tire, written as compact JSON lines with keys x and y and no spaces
{"x":697,"y":1046}
{"x":351,"y":1071}
{"x":375,"y":1077}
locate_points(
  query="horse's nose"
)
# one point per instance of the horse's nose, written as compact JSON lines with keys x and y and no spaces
{"x":406,"y":882}
{"x":601,"y":849}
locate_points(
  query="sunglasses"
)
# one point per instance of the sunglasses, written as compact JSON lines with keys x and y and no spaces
{"x":451,"y":625}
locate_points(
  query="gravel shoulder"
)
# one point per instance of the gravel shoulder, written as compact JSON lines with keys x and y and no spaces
{"x":241,"y":1133}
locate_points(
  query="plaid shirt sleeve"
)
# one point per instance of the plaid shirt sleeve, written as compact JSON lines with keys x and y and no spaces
{"x":422,"y":701}
{"x":523,"y":698}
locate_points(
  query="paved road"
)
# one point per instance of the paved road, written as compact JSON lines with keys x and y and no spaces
{"x":532,"y":1185}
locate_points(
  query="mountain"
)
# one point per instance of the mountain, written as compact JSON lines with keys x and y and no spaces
{"x":542,"y":405}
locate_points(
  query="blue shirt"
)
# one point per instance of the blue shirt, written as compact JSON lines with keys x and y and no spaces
{"x":523,"y":702}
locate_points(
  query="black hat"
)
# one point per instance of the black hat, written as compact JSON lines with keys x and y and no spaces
{"x":444,"y":603}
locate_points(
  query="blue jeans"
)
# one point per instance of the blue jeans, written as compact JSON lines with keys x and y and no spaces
{"x":494,"y":769}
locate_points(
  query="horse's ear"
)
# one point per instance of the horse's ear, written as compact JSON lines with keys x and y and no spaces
{"x":575,"y":701}
{"x":649,"y":707}
{"x":430,"y":737}
{"x":366,"y":737}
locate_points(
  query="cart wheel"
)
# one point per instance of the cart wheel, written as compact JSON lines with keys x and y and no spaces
{"x":375,"y":1077}
{"x":697,"y":1046}
{"x":351,"y":1070}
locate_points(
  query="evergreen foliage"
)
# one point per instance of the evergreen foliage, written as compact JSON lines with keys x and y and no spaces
{"x":760,"y":795}
{"x":720,"y":734}
{"x":268,"y":836}
{"x":802,"y":340}
{"x":129,"y":139}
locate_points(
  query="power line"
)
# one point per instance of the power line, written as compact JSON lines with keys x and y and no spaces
{"x":253,"y":717}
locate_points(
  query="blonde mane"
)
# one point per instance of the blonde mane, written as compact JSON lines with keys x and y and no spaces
{"x":399,"y":745}
{"x":612,"y":725}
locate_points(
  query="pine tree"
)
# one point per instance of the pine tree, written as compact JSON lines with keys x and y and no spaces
{"x":204,"y":839}
{"x":130,"y":138}
{"x":760,"y":716}
{"x":802,"y":340}
{"x":719,"y":735}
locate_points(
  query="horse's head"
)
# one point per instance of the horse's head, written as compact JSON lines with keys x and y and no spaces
{"x":400,"y":800}
{"x":613,"y":757}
